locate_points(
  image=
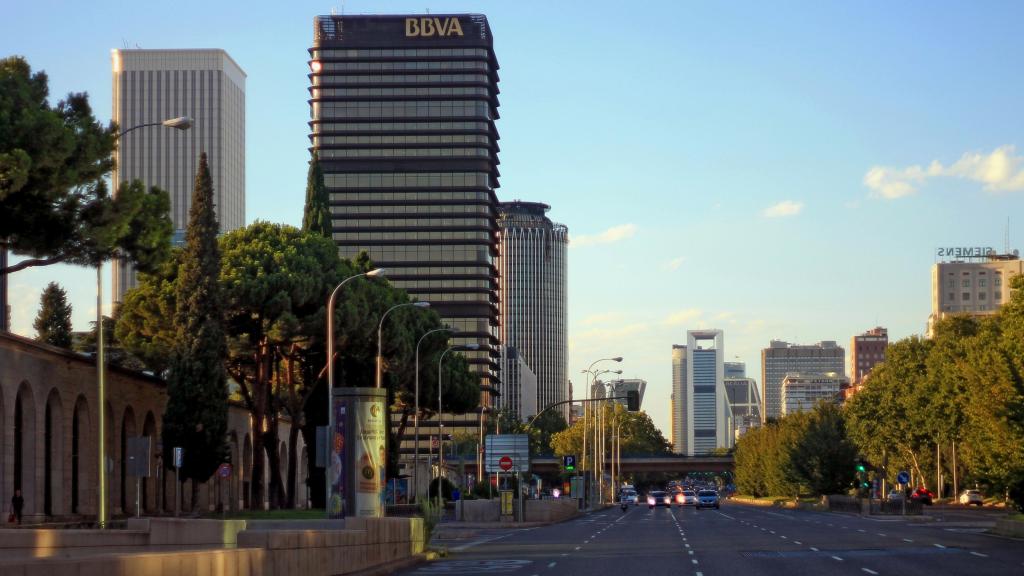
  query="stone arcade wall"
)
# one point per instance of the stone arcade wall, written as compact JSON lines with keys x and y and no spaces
{"x":48,"y":429}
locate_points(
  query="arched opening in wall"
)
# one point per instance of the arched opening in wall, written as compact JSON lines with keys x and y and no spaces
{"x":247,"y":473}
{"x":127,"y":482}
{"x":148,"y":484}
{"x":53,"y":462}
{"x":79,"y":441}
{"x":25,"y":446}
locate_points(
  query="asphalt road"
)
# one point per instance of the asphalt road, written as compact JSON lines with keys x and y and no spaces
{"x":736,"y":540}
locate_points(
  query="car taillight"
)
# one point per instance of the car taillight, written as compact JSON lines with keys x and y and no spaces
{"x":679,"y":498}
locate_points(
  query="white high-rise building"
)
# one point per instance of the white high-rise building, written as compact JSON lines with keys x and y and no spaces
{"x":532,"y":273}
{"x":151,"y":86}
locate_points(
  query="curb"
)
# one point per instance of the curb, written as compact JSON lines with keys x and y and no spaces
{"x":394,"y":566}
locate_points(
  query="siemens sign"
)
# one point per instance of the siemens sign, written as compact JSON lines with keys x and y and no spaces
{"x":964,"y":252}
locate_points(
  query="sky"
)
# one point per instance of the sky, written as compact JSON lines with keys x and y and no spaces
{"x":779,"y":170}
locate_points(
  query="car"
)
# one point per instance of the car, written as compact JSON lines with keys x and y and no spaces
{"x":689,"y":498}
{"x":707,"y":499}
{"x":895,"y":496}
{"x":658,"y":498}
{"x":923,"y":495}
{"x":972,"y":497}
{"x":629,"y":497}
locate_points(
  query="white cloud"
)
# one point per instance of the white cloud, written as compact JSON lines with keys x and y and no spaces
{"x":682,"y":317}
{"x":1000,"y":171}
{"x":609,"y":236}
{"x":674,"y":263}
{"x":782,"y":209}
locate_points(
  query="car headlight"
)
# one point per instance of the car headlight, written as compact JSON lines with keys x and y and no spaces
{"x":650,"y":501}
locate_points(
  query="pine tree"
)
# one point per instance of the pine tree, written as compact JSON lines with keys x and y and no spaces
{"x":197,"y":408}
{"x":317,"y":214}
{"x":53,"y":324}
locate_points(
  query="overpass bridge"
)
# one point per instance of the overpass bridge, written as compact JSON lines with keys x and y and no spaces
{"x":671,"y":464}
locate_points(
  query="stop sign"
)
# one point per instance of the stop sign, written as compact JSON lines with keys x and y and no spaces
{"x":505,"y":463}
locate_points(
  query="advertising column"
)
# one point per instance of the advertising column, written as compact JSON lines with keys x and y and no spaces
{"x":359,"y":452}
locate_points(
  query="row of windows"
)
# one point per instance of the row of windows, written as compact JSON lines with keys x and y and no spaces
{"x":415,"y":91}
{"x":411,"y":236}
{"x":396,"y":52}
{"x":440,"y":253}
{"x":443,"y":284}
{"x":426,"y":196}
{"x":407,"y":180}
{"x":457,"y":297}
{"x":400,"y":126}
{"x":470,"y":210}
{"x":390,"y":139}
{"x":411,"y":222}
{"x":402,"y":79}
{"x":982,"y":282}
{"x":401,"y":109}
{"x":998,"y":295}
{"x":438,"y":270}
{"x":467,"y":65}
{"x":405,"y":153}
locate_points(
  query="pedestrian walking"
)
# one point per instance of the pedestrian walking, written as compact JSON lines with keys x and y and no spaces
{"x":17,"y":503}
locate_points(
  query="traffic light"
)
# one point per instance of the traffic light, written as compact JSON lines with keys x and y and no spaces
{"x":633,"y":400}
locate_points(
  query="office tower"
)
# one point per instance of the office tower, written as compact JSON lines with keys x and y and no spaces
{"x":679,"y":405}
{"x":402,"y":120}
{"x":619,"y":388}
{"x":972,"y":281}
{"x":866,"y":350}
{"x":800,"y":392}
{"x":707,"y":412}
{"x":532,"y":275}
{"x":745,"y":404}
{"x":151,"y":86}
{"x":518,"y":384}
{"x":735,"y":370}
{"x":781,"y":358}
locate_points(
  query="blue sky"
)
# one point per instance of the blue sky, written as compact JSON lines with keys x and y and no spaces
{"x":777,"y":170}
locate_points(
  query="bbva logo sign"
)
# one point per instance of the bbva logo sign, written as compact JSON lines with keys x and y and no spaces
{"x":433,"y":27}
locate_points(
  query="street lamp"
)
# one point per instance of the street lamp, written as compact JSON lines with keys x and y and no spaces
{"x":180,"y":123}
{"x":380,"y":333}
{"x":591,"y":372}
{"x":440,"y":421}
{"x":330,"y":378}
{"x":416,"y":414}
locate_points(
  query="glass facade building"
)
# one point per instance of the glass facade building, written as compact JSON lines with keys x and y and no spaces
{"x":781,"y":358}
{"x":156,"y":85}
{"x":403,"y":112}
{"x":532,"y":268}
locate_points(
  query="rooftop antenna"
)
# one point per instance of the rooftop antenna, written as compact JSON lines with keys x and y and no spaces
{"x":1007,"y":241}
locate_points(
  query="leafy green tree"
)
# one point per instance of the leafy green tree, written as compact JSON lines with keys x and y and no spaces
{"x":317,"y":214}
{"x":637,"y":433}
{"x":145,"y":318}
{"x":197,"y":401}
{"x":823,"y":456}
{"x":53,"y":323}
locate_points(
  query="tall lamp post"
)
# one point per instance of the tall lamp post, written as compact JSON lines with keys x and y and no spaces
{"x":591,"y":372}
{"x":179,"y":123}
{"x":380,"y":336}
{"x":440,"y":421}
{"x":330,"y":379}
{"x":416,"y":414}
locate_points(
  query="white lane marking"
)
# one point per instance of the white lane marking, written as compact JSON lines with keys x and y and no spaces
{"x":869,"y":571}
{"x":861,"y":530}
{"x":690,"y":552}
{"x":727,"y":516}
{"x":797,"y":542}
{"x":699,"y":574}
{"x":566,"y":554}
{"x":694,"y":561}
{"x":552,"y":565}
{"x":813,"y":548}
{"x":980,"y":555}
{"x":772,"y":531}
{"x":881,"y":534}
{"x":577,"y":547}
{"x":837,"y":558}
{"x":938,"y":545}
{"x":687,"y":545}
{"x":907,"y":540}
{"x":783,"y":537}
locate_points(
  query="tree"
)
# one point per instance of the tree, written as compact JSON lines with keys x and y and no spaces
{"x":197,"y":401}
{"x":145,"y":319}
{"x":637,"y":433}
{"x":53,"y":323}
{"x":822,"y":458}
{"x":317,"y":214}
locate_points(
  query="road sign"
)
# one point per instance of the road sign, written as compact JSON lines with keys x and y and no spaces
{"x":179,"y":456}
{"x":515,"y":446}
{"x":569,"y":462}
{"x":903,"y":477}
{"x":505,"y":463}
{"x":224,"y":470}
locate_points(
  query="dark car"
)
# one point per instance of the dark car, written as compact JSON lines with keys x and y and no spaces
{"x":658,"y":498}
{"x":707,"y":499}
{"x":923,"y":495}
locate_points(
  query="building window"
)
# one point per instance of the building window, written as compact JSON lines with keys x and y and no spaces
{"x":998,"y":295}
{"x":998,"y":281}
{"x":965,"y":283}
{"x":951,"y":283}
{"x":952,"y":296}
{"x":965,"y":296}
{"x":981,"y":296}
{"x":982,"y":282}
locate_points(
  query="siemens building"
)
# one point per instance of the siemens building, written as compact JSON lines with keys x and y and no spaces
{"x":402,"y":121}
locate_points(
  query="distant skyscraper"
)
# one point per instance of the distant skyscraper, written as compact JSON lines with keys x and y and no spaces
{"x":866,"y":350}
{"x":800,"y":392}
{"x":679,"y":405}
{"x":972,"y":281}
{"x":735,"y":370}
{"x":745,"y":403}
{"x":156,"y":85}
{"x":781,"y":358}
{"x":519,"y":384}
{"x":624,"y":385}
{"x":707,"y":409}
{"x":532,"y":270}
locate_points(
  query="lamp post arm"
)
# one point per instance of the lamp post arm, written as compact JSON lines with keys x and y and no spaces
{"x":534,"y":419}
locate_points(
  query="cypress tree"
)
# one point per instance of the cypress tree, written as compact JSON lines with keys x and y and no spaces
{"x":53,"y":323}
{"x":316,"y":216}
{"x":197,"y":406}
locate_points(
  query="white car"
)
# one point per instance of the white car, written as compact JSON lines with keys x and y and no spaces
{"x":972,"y":497}
{"x":629,"y":497}
{"x":689,"y":498}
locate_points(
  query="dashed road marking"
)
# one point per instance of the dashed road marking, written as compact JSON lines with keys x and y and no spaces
{"x":869,"y":570}
{"x":814,"y":549}
{"x":881,"y":534}
{"x":907,"y":540}
{"x":552,"y":565}
{"x":980,"y":555}
{"x":797,"y":542}
{"x":690,"y":552}
{"x":577,"y":547}
{"x":938,"y":545}
{"x":694,"y":561}
{"x":861,"y":530}
{"x":837,"y":558}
